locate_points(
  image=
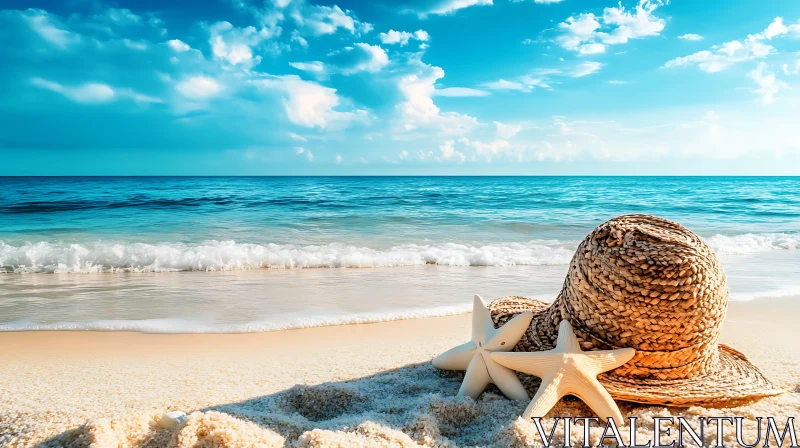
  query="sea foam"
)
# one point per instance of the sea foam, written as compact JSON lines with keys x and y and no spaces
{"x":229,"y":255}
{"x":751,"y":243}
{"x":101,"y":256}
{"x":185,"y":325}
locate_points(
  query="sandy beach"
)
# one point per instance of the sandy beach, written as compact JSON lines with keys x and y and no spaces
{"x":361,"y":385}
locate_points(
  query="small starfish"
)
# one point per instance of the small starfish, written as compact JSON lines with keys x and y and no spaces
{"x":568,"y":370}
{"x":474,"y":356}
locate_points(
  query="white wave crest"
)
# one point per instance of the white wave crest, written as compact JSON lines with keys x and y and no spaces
{"x":229,"y":255}
{"x":751,"y":243}
{"x":177,"y":325}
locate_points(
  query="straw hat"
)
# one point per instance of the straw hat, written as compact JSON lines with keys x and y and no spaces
{"x":648,"y":283}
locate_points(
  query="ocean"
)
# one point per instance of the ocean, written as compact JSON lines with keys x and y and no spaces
{"x":237,"y":254}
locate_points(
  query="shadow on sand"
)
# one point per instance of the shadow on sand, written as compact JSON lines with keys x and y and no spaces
{"x":410,"y":406}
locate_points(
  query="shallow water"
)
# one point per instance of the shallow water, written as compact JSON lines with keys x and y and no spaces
{"x":113,"y":253}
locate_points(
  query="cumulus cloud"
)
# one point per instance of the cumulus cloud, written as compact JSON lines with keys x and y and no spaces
{"x":199,"y":87}
{"x":309,"y":104}
{"x":321,"y":20}
{"x":768,"y":84}
{"x":460,"y":92}
{"x":178,"y":45}
{"x":402,"y":37}
{"x":449,"y":152}
{"x":776,"y":28}
{"x":235,"y":45}
{"x":691,"y":36}
{"x":360,"y":57}
{"x":721,"y":57}
{"x":418,"y":110}
{"x":789,"y":70}
{"x":589,"y":34}
{"x":506,"y":131}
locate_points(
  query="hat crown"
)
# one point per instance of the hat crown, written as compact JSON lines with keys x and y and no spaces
{"x":645,"y":282}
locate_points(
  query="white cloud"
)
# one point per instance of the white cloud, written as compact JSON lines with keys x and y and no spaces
{"x":338,"y":159}
{"x":297,"y":137}
{"x":586,"y":68}
{"x":374,"y":59}
{"x":589,"y":34}
{"x":42,"y":23}
{"x":91,"y":92}
{"x":547,"y":1}
{"x":137,"y":97}
{"x":419,"y":112}
{"x":360,"y":57}
{"x":321,"y":20}
{"x":768,"y":84}
{"x":315,"y":67}
{"x":447,"y":149}
{"x":574,"y":31}
{"x":691,"y":36}
{"x":402,"y":37}
{"x":641,"y":23}
{"x":449,"y":152}
{"x":235,"y":45}
{"x":506,"y":131}
{"x":122,"y":16}
{"x":199,"y":87}
{"x":460,"y":92}
{"x":309,"y":104}
{"x":776,"y":28}
{"x":490,"y":150}
{"x":444,"y":7}
{"x":791,"y":71}
{"x":592,"y":48}
{"x":296,"y":37}
{"x":502,"y":84}
{"x":178,"y":45}
{"x":723,"y":56}
{"x":403,"y":154}
{"x":140,"y":45}
{"x":299,"y":150}
{"x":617,"y":81}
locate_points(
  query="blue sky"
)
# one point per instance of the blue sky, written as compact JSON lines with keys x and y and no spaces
{"x":402,"y":87}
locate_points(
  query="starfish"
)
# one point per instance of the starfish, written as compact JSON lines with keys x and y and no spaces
{"x":568,"y":370}
{"x":474,"y":356}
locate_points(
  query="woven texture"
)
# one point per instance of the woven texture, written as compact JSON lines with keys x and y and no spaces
{"x":645,"y":282}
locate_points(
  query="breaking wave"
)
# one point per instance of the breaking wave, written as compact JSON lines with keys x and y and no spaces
{"x":751,"y":243}
{"x":103,"y":256}
{"x":229,"y":255}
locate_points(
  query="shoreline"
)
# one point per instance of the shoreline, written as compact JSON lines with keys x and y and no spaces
{"x":121,"y":382}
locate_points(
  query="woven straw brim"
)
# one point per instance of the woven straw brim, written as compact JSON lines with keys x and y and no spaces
{"x":733,"y":382}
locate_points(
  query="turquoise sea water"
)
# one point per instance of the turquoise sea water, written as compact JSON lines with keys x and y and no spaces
{"x":225,"y":254}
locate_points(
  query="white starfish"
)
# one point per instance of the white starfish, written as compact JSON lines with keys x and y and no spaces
{"x":474,"y":356}
{"x":568,"y":370}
